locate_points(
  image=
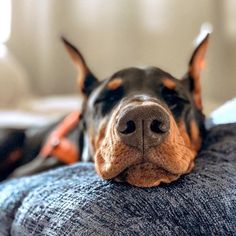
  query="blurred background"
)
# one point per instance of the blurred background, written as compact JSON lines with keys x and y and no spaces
{"x":111,"y":35}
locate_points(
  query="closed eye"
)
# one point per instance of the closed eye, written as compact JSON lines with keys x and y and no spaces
{"x":182,"y":99}
{"x":172,"y":107}
{"x":174,"y":100}
{"x":110,"y":96}
{"x":108,"y":99}
{"x":105,"y":99}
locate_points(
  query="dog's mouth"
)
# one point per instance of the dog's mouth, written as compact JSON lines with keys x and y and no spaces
{"x":138,"y":170}
{"x":139,"y":154}
{"x":153,"y":169}
{"x":146,"y":174}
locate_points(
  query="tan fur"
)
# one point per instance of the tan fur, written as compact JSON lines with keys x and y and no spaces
{"x":82,"y":73}
{"x":15,"y":155}
{"x":170,"y":84}
{"x":197,"y":96}
{"x":148,"y":175}
{"x":197,"y":88}
{"x":114,"y":84}
{"x":174,"y":154}
{"x":196,"y":66}
{"x":112,"y":156}
{"x":79,"y":63}
{"x":195,"y":135}
{"x":162,"y":164}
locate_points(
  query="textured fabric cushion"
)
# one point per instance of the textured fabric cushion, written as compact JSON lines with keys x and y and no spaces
{"x":73,"y":200}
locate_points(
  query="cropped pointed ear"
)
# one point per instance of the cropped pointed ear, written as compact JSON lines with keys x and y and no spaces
{"x":86,"y":80}
{"x":193,"y":77}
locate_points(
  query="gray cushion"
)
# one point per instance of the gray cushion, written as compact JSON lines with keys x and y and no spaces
{"x":73,"y":200}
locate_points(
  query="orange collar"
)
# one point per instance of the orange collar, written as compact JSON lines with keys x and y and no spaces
{"x":58,"y":145}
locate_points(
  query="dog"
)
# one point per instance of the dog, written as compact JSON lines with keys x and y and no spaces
{"x":140,"y":126}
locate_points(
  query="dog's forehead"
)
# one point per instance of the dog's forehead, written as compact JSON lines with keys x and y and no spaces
{"x":138,"y":76}
{"x":137,"y":79}
{"x":134,"y":80}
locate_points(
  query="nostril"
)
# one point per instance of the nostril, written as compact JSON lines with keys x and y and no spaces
{"x":130,"y":127}
{"x":158,"y":126}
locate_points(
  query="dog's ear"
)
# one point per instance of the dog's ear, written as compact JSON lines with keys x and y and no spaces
{"x":193,"y":77}
{"x":86,"y":80}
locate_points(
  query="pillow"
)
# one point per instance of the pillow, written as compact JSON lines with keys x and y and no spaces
{"x":223,"y":115}
{"x":73,"y":200}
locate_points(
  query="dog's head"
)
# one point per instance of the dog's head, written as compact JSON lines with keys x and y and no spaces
{"x":143,"y":126}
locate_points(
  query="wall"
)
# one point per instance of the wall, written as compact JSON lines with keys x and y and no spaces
{"x":120,"y":33}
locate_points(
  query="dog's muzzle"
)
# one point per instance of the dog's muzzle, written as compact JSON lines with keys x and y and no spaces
{"x":143,"y":126}
{"x":142,"y":145}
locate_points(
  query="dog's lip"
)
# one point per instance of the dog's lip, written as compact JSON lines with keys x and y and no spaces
{"x":139,"y":163}
{"x":123,"y":173}
{"x":143,"y":179}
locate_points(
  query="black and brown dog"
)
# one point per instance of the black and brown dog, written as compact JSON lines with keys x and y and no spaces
{"x":141,"y":126}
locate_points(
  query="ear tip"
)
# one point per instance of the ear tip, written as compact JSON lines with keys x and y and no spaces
{"x":64,"y":40}
{"x":68,"y":45}
{"x":206,"y":30}
{"x":202,"y":40}
{"x":207,"y":36}
{"x":205,"y":41}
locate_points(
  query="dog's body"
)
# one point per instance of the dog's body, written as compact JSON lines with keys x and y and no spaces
{"x":141,"y":126}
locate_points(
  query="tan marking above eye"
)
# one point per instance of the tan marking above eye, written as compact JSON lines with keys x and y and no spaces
{"x":170,"y":84}
{"x":114,"y":84}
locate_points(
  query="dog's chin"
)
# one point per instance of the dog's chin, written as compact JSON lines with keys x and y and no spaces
{"x":147,"y":174}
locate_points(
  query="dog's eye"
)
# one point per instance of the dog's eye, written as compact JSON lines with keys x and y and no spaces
{"x":174,"y":100}
{"x":109,"y":96}
{"x":105,"y":99}
{"x":172,"y":107}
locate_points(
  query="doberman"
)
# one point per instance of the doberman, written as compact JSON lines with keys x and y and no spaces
{"x":140,"y":126}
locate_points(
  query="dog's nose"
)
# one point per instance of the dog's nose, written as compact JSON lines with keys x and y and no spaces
{"x":143,"y":126}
